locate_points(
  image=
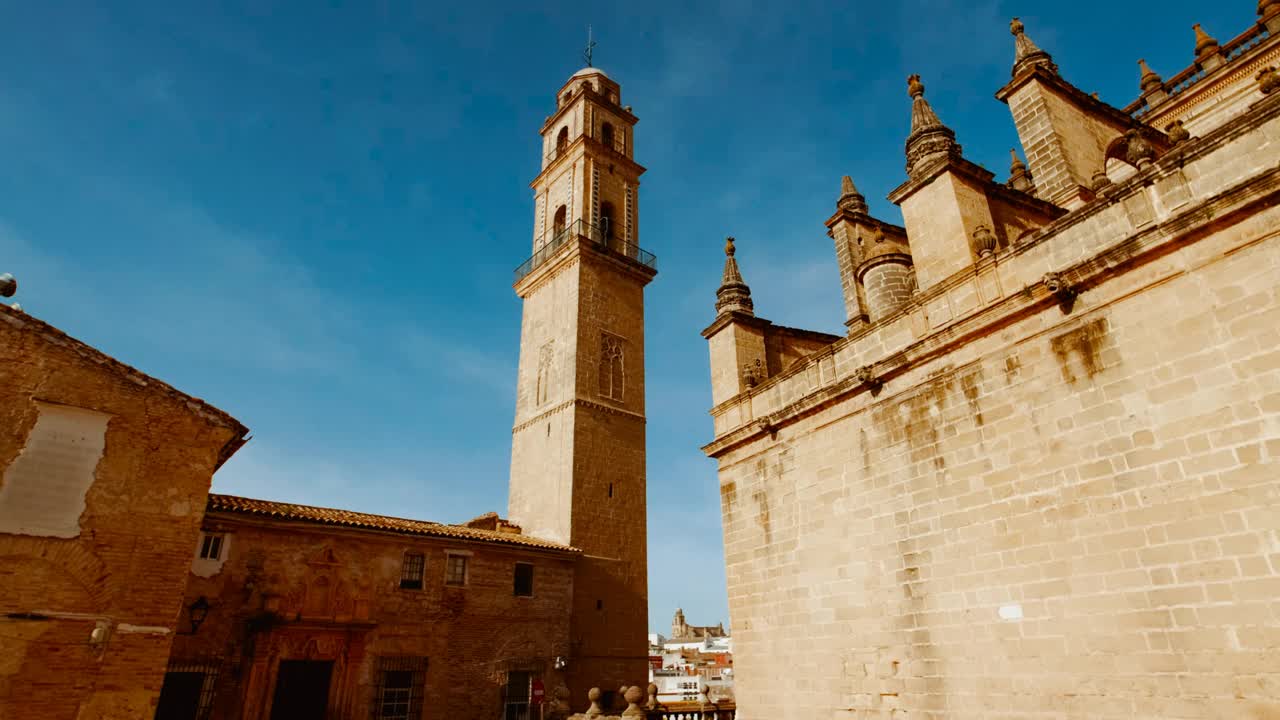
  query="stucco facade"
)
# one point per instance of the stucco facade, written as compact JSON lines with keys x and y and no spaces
{"x":1045,"y":485}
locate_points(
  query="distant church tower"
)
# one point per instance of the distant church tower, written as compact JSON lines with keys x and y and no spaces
{"x":578,"y":446}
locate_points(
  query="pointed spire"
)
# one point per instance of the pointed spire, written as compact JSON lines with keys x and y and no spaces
{"x":1205,"y":43}
{"x":1026,"y":53}
{"x":1019,"y":177}
{"x":929,"y":138}
{"x":922,"y":115}
{"x":733,"y":295}
{"x":850,"y":198}
{"x":1149,"y":81}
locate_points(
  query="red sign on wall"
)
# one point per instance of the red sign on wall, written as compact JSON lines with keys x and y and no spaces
{"x":538,"y":692}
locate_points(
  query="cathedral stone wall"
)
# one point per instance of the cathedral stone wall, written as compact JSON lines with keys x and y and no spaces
{"x":1076,"y":514}
{"x":95,"y":550}
{"x":1045,"y":489}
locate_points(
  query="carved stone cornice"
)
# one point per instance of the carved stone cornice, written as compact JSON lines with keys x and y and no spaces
{"x":577,"y":402}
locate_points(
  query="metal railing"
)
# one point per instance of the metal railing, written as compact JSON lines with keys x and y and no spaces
{"x":578,"y":228}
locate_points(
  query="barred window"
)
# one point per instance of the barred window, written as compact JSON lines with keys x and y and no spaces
{"x":524,"y":579}
{"x":411,"y":571}
{"x":401,"y":682}
{"x":187,"y":693}
{"x":455,"y":572}
{"x":516,"y":700}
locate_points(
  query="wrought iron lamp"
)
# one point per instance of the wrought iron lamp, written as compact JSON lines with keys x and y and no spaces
{"x":196,"y":613}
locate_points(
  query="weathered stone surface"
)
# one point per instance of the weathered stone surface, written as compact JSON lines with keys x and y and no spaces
{"x":103,"y":475}
{"x":1060,"y":499}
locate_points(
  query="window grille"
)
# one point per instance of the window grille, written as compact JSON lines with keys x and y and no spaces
{"x":516,"y":700}
{"x":210,"y":547}
{"x":411,"y":571}
{"x":455,"y":572}
{"x":401,"y":684}
{"x":189,"y":672}
{"x":524,"y":579}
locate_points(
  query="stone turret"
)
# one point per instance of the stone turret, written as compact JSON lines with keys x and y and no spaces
{"x":746,"y":350}
{"x":955,"y":214}
{"x":1064,"y":132}
{"x":873,"y":256}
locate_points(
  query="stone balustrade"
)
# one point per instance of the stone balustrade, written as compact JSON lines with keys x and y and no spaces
{"x":642,"y":706}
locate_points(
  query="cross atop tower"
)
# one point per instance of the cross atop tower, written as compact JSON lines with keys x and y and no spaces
{"x":591,"y":46}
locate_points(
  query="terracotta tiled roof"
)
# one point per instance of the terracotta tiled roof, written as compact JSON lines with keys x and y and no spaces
{"x":347,"y":518}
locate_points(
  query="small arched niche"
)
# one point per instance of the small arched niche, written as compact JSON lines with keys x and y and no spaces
{"x":558,"y":221}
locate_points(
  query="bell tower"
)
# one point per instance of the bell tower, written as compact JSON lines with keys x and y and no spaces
{"x":578,"y":445}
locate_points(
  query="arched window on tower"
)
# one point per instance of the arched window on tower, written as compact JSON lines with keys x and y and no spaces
{"x":558,"y":222}
{"x":562,"y":140}
{"x":605,"y":222}
{"x":606,"y":135}
{"x":612,"y":379}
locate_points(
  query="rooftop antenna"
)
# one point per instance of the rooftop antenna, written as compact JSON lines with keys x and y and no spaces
{"x":591,"y":45}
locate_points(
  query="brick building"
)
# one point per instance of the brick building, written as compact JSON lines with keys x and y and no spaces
{"x":312,"y":610}
{"x":103,"y":477}
{"x":1037,"y":475}
{"x":130,"y":591}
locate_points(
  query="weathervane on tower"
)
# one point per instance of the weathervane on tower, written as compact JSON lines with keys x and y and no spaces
{"x":591,"y":45}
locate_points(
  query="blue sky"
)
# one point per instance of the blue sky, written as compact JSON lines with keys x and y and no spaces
{"x":308,"y":215}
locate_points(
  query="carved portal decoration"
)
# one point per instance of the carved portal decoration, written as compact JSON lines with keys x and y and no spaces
{"x":612,"y":376}
{"x":327,"y":591}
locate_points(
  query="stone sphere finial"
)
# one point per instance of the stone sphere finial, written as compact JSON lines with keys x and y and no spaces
{"x":915,"y":88}
{"x":634,"y":695}
{"x":1016,"y":27}
{"x":653,"y":697}
{"x":729,"y":249}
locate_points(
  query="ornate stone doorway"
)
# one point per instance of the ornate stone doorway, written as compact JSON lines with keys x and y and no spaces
{"x":302,"y":690}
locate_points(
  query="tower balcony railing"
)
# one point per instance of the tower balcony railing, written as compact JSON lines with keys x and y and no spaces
{"x":606,"y":240}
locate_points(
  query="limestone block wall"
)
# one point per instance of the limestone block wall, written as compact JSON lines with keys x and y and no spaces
{"x":287,"y":590}
{"x":542,"y":437}
{"x":1064,"y":143}
{"x":1047,"y":506}
{"x":940,"y":217}
{"x":98,"y":538}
